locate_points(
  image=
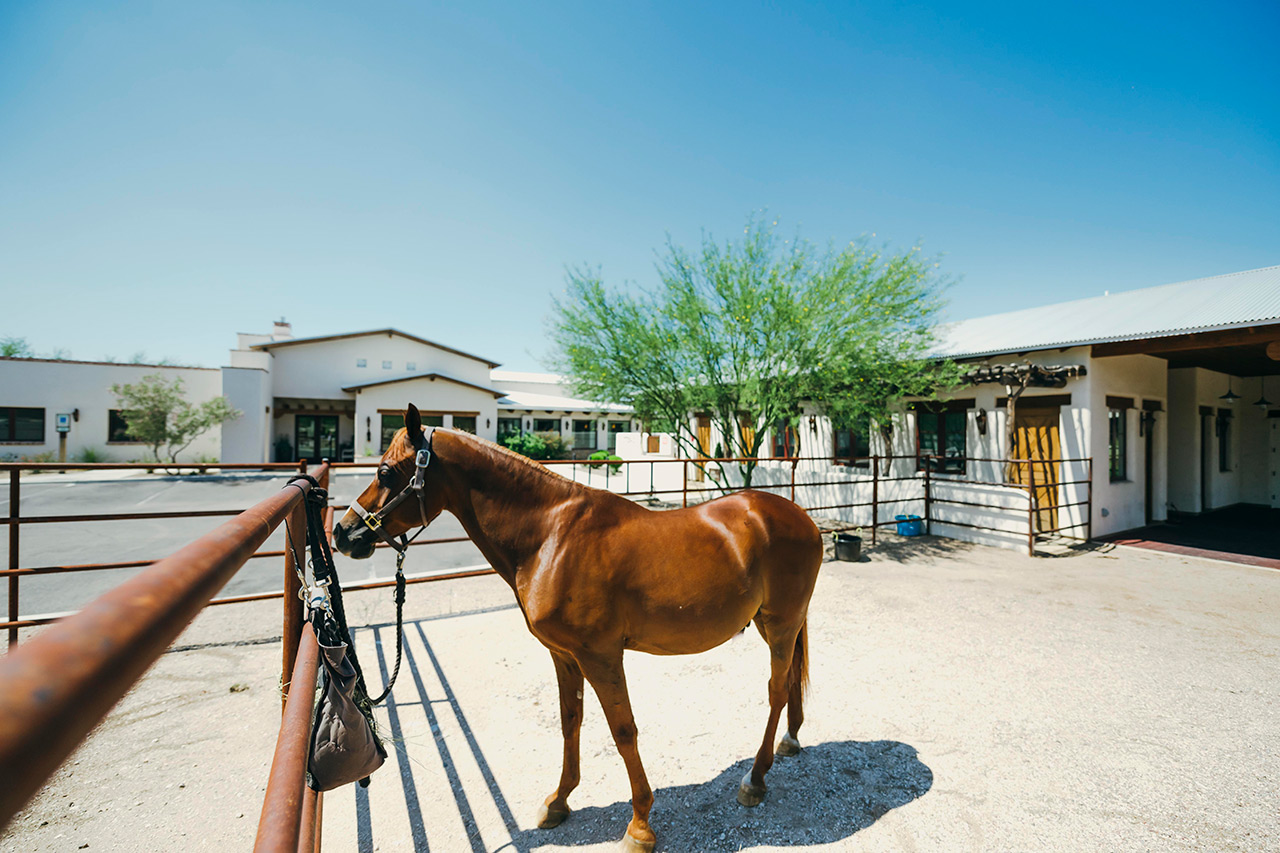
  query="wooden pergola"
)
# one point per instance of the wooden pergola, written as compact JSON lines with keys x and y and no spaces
{"x":1018,"y":377}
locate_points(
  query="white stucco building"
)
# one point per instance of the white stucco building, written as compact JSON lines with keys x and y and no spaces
{"x":332,"y":396}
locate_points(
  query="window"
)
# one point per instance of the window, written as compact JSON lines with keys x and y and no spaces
{"x":1224,"y":441}
{"x":508,"y":427}
{"x":362,"y":362}
{"x":411,"y":365}
{"x":1118,"y":444}
{"x":117,"y":428}
{"x":386,"y":365}
{"x":466,"y":423}
{"x":584,"y":435}
{"x":786,"y":441}
{"x":852,"y":445}
{"x":433,"y":420}
{"x":391,"y":424}
{"x":546,"y":425}
{"x":940,"y":436}
{"x":22,"y":424}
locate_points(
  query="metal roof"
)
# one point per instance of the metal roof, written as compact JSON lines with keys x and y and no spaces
{"x":556,"y":403}
{"x":1204,"y":304}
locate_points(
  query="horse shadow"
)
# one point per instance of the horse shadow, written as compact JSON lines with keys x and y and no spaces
{"x":827,"y":793}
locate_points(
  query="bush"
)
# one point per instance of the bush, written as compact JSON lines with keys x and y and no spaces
{"x":91,"y":456}
{"x":604,"y":455}
{"x":538,"y":445}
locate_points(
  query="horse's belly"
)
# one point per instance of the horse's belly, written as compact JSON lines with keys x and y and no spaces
{"x":687,"y":630}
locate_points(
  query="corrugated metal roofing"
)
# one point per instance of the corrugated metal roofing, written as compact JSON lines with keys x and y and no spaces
{"x":556,"y":403}
{"x":1203,"y":304}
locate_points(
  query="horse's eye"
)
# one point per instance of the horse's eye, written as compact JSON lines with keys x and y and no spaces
{"x":384,"y":475}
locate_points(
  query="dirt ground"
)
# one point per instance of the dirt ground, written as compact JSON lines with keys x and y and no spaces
{"x":963,"y":698}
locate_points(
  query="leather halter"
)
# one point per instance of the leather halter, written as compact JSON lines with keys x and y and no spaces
{"x":373,"y":520}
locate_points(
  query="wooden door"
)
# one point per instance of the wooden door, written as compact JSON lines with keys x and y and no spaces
{"x":1036,"y":439}
{"x":704,"y":445}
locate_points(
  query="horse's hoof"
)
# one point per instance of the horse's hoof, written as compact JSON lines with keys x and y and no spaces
{"x":631,"y":844}
{"x":788,"y":745}
{"x":748,"y":794}
{"x":548,"y":817}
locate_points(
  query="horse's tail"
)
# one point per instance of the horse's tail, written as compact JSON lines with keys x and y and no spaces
{"x":800,"y":660}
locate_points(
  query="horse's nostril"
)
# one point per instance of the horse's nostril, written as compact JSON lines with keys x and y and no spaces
{"x":339,"y":535}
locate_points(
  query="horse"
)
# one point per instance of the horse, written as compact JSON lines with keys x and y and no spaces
{"x":596,"y":574}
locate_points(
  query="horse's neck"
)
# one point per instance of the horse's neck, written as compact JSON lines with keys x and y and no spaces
{"x":505,"y":505}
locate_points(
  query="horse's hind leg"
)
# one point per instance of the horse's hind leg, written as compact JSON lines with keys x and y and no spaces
{"x":781,"y":651}
{"x":569,"y":677}
{"x":790,"y":743}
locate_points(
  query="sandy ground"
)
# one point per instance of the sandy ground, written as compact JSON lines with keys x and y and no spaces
{"x":964,"y":698}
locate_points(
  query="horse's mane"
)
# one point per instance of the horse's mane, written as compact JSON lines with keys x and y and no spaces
{"x":509,"y":456}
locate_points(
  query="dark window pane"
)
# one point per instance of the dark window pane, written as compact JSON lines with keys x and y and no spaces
{"x":507,"y":427}
{"x":1117,"y":444}
{"x":28,"y":424}
{"x":391,"y":424}
{"x":433,"y":420}
{"x":117,"y":426}
{"x":465,"y":423}
{"x":546,"y":425}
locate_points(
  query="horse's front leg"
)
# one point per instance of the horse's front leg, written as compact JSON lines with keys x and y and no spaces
{"x":569,"y":677}
{"x":610,"y":684}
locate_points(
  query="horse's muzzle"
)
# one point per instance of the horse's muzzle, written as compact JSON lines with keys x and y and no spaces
{"x":358,"y":545}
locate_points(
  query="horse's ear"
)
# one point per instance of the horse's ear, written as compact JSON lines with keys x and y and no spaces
{"x":413,"y":425}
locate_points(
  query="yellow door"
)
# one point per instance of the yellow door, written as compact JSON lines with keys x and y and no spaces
{"x":704,"y":445}
{"x":1035,"y":439}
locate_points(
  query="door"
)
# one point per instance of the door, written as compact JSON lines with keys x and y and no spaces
{"x":316,"y":437}
{"x":1035,"y":438}
{"x":616,"y":428}
{"x":1273,"y":461}
{"x":704,"y":445}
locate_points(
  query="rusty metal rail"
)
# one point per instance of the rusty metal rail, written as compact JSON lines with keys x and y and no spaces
{"x":57,"y":687}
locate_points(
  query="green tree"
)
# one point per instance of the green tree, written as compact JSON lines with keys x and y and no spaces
{"x":13,"y":347}
{"x":747,"y":331}
{"x":157,"y":412}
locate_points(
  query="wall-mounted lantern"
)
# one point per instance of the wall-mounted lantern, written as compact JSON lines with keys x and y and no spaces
{"x":980,"y":418}
{"x":368,"y":429}
{"x":813,"y":424}
{"x":486,"y":423}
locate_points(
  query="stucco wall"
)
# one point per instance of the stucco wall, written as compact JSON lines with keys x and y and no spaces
{"x":1120,"y":505}
{"x":247,"y":438}
{"x":321,"y":369}
{"x":64,"y":386}
{"x":429,"y":396}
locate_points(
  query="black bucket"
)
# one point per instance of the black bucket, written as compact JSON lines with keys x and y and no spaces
{"x":848,"y":547}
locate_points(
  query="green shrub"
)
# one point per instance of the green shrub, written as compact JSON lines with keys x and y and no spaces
{"x":538,"y":445}
{"x":91,"y":456}
{"x":603,"y":456}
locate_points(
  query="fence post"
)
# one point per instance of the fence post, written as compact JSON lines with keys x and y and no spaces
{"x":1088,"y":530}
{"x":875,"y":489}
{"x":327,"y":533}
{"x":684,"y":482}
{"x":928,"y":464}
{"x":1031,"y":509}
{"x":295,"y":542}
{"x":794,"y":463}
{"x":15,"y":493}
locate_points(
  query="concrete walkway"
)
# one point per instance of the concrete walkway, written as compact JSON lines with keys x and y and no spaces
{"x":963,"y":698}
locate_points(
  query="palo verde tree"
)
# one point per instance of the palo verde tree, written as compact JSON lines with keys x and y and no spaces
{"x":747,"y":331}
{"x":158,"y":413}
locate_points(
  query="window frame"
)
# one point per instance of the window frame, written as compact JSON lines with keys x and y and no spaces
{"x":385,"y":437}
{"x":942,"y":463}
{"x":784,"y":437}
{"x":852,"y":460}
{"x":114,"y":415}
{"x":1118,"y":451}
{"x":9,"y":425}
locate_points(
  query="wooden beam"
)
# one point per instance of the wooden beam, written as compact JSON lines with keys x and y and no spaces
{"x":1253,"y":335}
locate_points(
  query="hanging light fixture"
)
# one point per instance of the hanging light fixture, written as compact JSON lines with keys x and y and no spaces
{"x":1262,"y":401}
{"x":1231,"y":396}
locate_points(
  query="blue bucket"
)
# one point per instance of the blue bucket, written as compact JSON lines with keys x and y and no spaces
{"x":909,"y":525}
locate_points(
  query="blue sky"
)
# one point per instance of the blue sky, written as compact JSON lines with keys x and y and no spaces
{"x":171,"y":174}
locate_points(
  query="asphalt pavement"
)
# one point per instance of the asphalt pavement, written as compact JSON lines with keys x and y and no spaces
{"x":77,"y":543}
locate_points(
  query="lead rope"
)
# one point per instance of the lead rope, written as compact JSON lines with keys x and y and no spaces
{"x":326,"y":576}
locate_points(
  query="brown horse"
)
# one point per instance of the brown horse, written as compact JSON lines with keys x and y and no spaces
{"x":596,"y":574}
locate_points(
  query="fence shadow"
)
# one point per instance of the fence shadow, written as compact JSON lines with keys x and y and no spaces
{"x":826,"y":794}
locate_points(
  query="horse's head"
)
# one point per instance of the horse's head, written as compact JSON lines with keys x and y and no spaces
{"x":394,"y":503}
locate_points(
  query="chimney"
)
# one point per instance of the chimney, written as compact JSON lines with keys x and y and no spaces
{"x":281,"y":331}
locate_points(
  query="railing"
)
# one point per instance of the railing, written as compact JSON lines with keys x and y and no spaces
{"x":15,"y":520}
{"x":879,"y":472}
{"x":57,"y":687}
